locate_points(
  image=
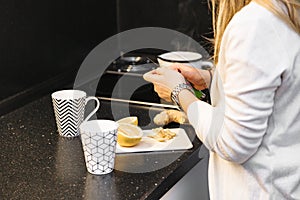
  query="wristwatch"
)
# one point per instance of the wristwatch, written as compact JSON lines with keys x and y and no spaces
{"x":177,"y":90}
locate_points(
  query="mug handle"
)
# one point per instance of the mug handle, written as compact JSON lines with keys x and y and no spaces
{"x":95,"y":110}
{"x":207,"y":64}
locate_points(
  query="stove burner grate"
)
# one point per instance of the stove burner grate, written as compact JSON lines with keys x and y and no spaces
{"x":137,"y":68}
{"x":132,"y":64}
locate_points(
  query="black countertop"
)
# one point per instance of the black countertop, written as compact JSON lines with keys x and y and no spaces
{"x":36,"y":163}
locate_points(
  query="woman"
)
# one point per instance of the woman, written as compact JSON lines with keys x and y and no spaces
{"x":252,"y":126}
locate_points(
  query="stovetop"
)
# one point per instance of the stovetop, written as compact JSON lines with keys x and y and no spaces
{"x":132,"y":65}
{"x":123,"y":80}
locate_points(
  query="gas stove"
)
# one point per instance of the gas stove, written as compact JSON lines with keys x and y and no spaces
{"x":123,"y":80}
{"x":132,"y":65}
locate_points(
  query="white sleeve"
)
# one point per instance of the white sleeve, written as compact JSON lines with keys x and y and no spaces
{"x":250,"y":71}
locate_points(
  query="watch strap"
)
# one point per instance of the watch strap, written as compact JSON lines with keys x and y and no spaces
{"x":177,"y":90}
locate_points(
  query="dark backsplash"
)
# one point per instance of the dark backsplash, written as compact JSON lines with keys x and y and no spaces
{"x":42,"y":39}
{"x":190,"y":17}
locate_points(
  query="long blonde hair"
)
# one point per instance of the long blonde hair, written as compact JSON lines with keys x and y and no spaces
{"x":224,"y":10}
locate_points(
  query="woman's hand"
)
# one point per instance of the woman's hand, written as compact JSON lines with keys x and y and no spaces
{"x":198,"y":78}
{"x":164,"y":80}
{"x":163,"y":92}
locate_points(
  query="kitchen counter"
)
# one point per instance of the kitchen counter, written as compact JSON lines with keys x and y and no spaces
{"x":36,"y":163}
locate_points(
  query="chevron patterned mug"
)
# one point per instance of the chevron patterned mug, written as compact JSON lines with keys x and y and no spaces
{"x":69,"y":107}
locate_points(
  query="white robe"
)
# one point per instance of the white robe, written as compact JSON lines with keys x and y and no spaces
{"x":252,"y":128}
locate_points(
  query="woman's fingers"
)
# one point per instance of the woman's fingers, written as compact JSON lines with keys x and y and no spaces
{"x":156,"y":76}
{"x":151,"y":76}
{"x":163,"y":92}
{"x":176,"y":67}
{"x":164,"y":76}
{"x":180,"y":67}
{"x":169,"y":77}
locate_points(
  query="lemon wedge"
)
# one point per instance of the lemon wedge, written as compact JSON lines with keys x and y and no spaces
{"x":129,"y":120}
{"x":129,"y":135}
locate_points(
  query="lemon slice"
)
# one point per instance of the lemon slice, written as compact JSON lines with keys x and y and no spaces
{"x":129,"y":120}
{"x":129,"y":135}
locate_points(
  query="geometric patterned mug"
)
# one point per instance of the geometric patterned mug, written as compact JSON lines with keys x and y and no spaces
{"x":99,"y":139}
{"x":69,"y":107}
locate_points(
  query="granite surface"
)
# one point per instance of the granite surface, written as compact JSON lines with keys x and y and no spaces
{"x":36,"y":163}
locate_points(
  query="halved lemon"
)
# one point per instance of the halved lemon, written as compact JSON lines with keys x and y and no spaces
{"x":129,"y":120}
{"x":129,"y":135}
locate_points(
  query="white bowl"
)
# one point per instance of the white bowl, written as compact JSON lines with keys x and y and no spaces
{"x":186,"y":57}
